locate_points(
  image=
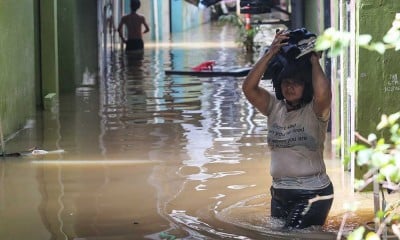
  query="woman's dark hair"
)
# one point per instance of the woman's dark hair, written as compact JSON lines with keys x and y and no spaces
{"x":299,"y":70}
{"x":135,"y":5}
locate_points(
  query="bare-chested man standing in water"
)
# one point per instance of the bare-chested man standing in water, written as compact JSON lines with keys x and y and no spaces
{"x":133,"y":23}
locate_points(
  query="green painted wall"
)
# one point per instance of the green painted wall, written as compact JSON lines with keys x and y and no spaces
{"x":378,"y":83}
{"x":77,"y":38}
{"x":49,"y":47}
{"x":66,"y":29}
{"x":43,"y":53}
{"x":18,"y":71}
{"x":87,"y":48}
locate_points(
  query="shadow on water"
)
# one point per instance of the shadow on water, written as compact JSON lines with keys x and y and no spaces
{"x":155,"y":156}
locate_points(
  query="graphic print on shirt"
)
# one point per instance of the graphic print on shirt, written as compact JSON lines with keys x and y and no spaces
{"x":289,"y":136}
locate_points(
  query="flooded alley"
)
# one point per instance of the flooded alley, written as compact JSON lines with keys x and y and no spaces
{"x":153,"y":156}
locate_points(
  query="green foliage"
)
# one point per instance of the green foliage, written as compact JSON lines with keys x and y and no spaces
{"x":167,"y":236}
{"x":336,"y":41}
{"x":245,"y":35}
{"x":382,"y":157}
{"x":357,"y":234}
{"x":333,"y":40}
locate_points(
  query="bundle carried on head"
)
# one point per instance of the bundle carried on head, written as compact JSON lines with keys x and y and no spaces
{"x":293,"y":61}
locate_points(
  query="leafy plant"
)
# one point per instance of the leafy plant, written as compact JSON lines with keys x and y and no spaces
{"x":382,"y":158}
{"x":381,"y":155}
{"x":246,"y":33}
{"x":336,"y":41}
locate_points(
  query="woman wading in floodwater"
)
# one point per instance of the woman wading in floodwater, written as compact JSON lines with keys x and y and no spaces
{"x":298,"y":115}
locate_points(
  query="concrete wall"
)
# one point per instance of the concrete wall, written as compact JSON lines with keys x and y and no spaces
{"x":185,"y":16}
{"x":165,"y":17}
{"x":157,"y":14}
{"x":314,"y":15}
{"x":18,"y":71}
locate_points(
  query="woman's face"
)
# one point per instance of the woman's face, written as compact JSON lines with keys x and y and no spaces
{"x":292,"y":90}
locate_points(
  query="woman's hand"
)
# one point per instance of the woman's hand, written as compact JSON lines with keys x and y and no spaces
{"x":277,"y":43}
{"x":258,"y":96}
{"x":315,"y":56}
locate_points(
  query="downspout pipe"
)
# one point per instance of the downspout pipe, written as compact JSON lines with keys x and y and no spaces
{"x":297,"y":16}
{"x":155,"y":14}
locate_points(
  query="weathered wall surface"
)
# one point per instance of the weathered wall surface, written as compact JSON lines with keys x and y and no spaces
{"x":17,"y":63}
{"x":378,"y":83}
{"x":77,"y":42}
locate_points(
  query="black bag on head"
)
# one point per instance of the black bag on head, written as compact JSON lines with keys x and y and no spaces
{"x":296,"y":53}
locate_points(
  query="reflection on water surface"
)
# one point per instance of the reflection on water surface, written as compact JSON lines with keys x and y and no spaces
{"x":149,"y":155}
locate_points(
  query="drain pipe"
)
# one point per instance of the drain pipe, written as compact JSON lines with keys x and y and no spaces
{"x":155,"y":14}
{"x":376,"y":200}
{"x":3,"y":149}
{"x":297,"y":15}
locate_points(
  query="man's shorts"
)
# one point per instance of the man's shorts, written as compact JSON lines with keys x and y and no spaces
{"x":134,"y":44}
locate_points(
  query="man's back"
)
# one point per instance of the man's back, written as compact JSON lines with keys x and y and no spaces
{"x":133,"y":24}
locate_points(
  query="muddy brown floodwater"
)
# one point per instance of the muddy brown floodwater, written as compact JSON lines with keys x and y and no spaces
{"x":155,"y":156}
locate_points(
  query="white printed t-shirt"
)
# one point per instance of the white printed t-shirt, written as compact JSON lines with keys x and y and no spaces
{"x":296,"y":139}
